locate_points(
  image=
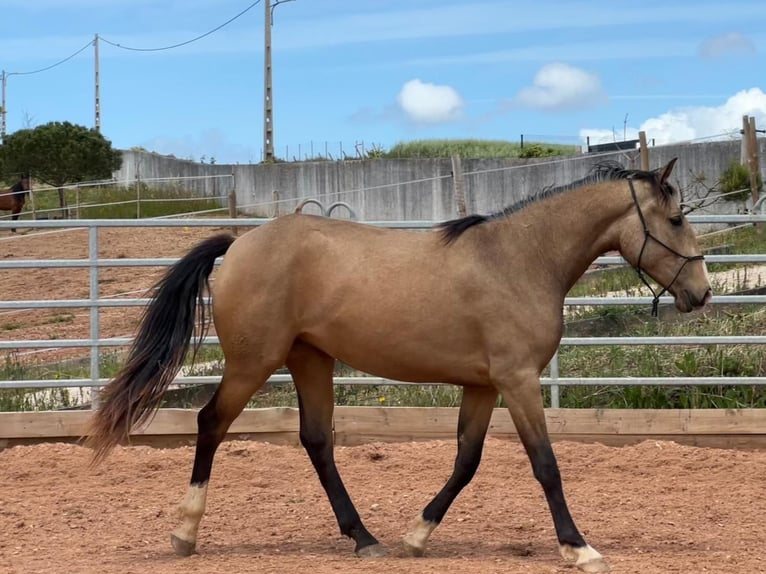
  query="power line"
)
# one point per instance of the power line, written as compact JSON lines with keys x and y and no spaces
{"x":229,"y":21}
{"x":45,"y":69}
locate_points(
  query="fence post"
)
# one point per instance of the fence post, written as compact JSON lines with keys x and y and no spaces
{"x":753,"y":164}
{"x":745,"y":142}
{"x":459,"y":185}
{"x":77,"y":201}
{"x":138,"y":196}
{"x":644,"y":151}
{"x":95,"y":398}
{"x":233,"y":211}
{"x":554,"y":377}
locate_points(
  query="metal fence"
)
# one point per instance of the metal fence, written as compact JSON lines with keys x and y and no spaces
{"x":94,"y":303}
{"x":128,"y":193}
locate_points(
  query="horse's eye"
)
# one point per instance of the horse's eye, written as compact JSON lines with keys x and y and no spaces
{"x":676,"y":220}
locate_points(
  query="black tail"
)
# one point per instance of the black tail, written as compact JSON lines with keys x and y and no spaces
{"x":159,"y":349}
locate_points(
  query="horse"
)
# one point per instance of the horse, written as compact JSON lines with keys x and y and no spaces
{"x":476,"y":302}
{"x":13,"y":198}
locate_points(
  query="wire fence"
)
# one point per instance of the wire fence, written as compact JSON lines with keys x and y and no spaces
{"x":149,"y":197}
{"x":95,"y":343}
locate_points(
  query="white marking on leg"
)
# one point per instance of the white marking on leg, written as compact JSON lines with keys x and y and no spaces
{"x":415,"y":541}
{"x":191,"y":509}
{"x":586,"y":558}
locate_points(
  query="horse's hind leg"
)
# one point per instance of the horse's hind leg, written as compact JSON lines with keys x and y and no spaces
{"x":473,"y":421}
{"x":522,"y":395}
{"x":215,"y":418}
{"x":312,"y":372}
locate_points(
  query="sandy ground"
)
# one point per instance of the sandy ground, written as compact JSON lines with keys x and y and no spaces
{"x":125,"y":282}
{"x":652,"y":508}
{"x":656,"y":507}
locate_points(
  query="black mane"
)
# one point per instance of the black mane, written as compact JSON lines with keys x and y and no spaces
{"x":604,"y":171}
{"x":19,"y":188}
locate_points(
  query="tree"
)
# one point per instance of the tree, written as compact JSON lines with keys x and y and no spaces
{"x":60,"y":153}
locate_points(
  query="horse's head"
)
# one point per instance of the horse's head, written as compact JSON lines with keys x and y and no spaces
{"x":22,"y":186}
{"x":658,"y":240}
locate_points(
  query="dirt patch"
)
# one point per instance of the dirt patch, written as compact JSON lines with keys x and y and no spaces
{"x":656,"y":507}
{"x":114,"y":282}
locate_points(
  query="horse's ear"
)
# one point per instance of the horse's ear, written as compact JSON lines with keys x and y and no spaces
{"x":666,"y":171}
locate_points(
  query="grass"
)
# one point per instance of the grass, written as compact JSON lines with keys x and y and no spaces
{"x":475,"y":149}
{"x":672,"y":361}
{"x":112,"y":202}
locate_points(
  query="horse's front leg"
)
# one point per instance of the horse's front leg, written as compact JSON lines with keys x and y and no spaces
{"x":473,"y":421}
{"x":521,"y":392}
{"x":15,"y":217}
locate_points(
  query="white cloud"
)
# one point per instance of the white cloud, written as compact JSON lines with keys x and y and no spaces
{"x":426,"y":103}
{"x":561,"y":87}
{"x":694,"y":121}
{"x":731,"y":44}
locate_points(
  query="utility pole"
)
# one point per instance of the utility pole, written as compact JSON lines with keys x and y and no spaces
{"x":98,"y":86}
{"x":268,"y":96}
{"x":268,"y":103}
{"x":2,"y":107}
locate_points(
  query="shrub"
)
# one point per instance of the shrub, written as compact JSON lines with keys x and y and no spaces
{"x":737,"y":178}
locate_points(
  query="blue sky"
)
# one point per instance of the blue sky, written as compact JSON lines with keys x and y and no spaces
{"x":380,"y":72}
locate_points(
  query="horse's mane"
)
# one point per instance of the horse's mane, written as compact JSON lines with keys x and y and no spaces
{"x":19,"y":188}
{"x":604,"y":171}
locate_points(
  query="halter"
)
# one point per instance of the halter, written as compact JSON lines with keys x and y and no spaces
{"x":647,"y":236}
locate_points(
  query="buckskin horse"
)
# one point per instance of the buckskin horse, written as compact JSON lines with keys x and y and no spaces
{"x":476,"y":302}
{"x":13,"y":198}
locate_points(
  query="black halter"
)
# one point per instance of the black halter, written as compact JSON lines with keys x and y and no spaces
{"x":647,"y":236}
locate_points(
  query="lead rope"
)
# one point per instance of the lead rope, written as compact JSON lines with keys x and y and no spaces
{"x":647,"y":236}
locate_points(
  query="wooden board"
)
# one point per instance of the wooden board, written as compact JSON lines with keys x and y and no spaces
{"x":437,"y":420}
{"x":742,"y":428}
{"x":166,"y":422}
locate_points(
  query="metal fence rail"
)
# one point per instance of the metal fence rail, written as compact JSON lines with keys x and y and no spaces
{"x":94,"y":303}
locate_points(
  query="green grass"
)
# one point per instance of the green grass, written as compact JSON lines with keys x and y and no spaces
{"x":474,"y":149}
{"x":672,"y":361}
{"x":746,"y":240}
{"x":90,"y":200}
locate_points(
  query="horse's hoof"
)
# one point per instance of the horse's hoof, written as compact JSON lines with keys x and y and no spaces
{"x":595,"y":565}
{"x":371,"y":551}
{"x":586,"y":558}
{"x":182,"y":547}
{"x":411,"y":550}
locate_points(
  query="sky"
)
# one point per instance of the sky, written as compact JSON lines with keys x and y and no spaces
{"x":353,"y":73}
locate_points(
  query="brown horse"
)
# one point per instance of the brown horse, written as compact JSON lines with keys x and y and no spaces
{"x":477,"y":302}
{"x":13,"y":198}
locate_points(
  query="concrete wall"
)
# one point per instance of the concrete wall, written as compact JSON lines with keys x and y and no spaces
{"x":145,"y":166}
{"x":411,"y":189}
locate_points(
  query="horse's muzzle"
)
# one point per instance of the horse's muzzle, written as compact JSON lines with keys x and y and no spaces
{"x":689,"y":301}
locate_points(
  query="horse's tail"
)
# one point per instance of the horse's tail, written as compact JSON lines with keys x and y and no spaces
{"x":159,"y":349}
